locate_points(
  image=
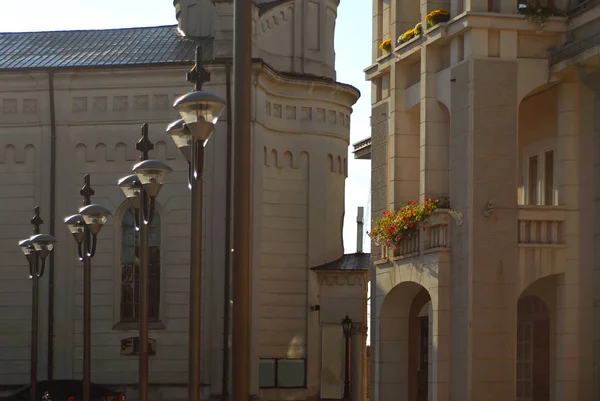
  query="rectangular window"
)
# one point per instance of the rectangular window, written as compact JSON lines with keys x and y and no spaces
{"x":282,"y":373}
{"x":533,"y":181}
{"x":549,"y":178}
{"x":130,"y":294}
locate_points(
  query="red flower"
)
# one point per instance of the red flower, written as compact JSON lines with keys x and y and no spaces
{"x":71,"y":398}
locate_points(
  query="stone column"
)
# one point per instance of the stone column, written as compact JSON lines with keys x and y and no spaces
{"x":434,"y":131}
{"x":403,"y":145}
{"x":567,"y":182}
{"x":492,"y":175}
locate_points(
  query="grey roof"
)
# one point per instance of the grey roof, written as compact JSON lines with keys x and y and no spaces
{"x":95,"y":48}
{"x":348,"y":262}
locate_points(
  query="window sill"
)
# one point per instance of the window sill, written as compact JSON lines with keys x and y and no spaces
{"x":125,"y":326}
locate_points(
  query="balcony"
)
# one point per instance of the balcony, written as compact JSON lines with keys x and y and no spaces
{"x":541,"y":226}
{"x":435,"y":238}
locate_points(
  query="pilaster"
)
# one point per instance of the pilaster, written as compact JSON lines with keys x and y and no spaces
{"x":568,"y":288}
{"x":403,"y":142}
{"x":492,"y":175}
{"x":434,"y":127}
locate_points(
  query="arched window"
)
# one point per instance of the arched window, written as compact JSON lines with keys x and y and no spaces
{"x":130,"y":274}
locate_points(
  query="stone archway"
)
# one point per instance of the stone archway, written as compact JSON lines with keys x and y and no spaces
{"x":533,"y":349}
{"x":404,"y":343}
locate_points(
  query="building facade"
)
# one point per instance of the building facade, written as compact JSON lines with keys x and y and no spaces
{"x":495,"y":109}
{"x":72,"y":103}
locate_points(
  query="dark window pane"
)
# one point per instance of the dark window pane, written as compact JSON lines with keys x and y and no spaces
{"x":290,"y":373}
{"x":533,"y":180}
{"x":266,"y":373}
{"x":549,"y":178}
{"x":130,"y":278}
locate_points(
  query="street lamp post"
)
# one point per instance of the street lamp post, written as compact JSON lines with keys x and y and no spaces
{"x":242,"y":181}
{"x":141,"y":189}
{"x":85,"y":227}
{"x":36,"y":249}
{"x":199,"y":111}
{"x":347,"y":328}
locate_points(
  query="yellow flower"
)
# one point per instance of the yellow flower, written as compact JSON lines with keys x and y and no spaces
{"x":386,"y":45}
{"x":437,"y":16}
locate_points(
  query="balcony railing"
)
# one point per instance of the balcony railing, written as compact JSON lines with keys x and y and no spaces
{"x":434,"y":238}
{"x":541,"y":226}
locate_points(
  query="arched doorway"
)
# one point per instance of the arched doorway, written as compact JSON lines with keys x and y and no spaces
{"x":533,"y":349}
{"x":404,"y":343}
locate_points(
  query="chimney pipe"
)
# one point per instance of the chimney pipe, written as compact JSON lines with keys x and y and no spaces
{"x":359,"y":229}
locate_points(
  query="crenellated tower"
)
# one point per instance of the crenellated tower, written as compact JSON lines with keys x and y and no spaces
{"x":289,"y":35}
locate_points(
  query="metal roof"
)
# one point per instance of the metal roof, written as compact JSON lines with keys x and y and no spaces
{"x":348,"y":262}
{"x":94,"y":48}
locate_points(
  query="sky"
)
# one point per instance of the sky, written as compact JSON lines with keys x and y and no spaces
{"x":352,"y":44}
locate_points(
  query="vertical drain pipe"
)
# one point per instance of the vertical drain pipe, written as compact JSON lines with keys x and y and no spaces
{"x":594,"y":85}
{"x":228,"y":244}
{"x":52,"y":225}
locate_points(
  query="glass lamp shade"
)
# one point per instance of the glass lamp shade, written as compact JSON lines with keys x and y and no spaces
{"x":26,"y":247}
{"x":43,"y":244}
{"x":182,"y":137}
{"x":76,"y":225}
{"x":200,"y":110}
{"x":152,"y":174}
{"x":131,"y":188}
{"x":95,"y":216}
{"x":347,"y":325}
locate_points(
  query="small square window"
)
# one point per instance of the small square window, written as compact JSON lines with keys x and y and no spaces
{"x":282,"y":373}
{"x":266,"y":372}
{"x":290,"y":373}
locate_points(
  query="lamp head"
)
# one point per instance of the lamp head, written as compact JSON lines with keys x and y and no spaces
{"x":131,"y":187}
{"x":43,"y":244}
{"x":152,"y":174}
{"x":76,"y":225}
{"x":26,"y":247}
{"x":95,"y":216}
{"x":347,"y":325}
{"x":182,"y":137}
{"x":200,"y":111}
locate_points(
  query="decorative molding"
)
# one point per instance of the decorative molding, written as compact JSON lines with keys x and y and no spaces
{"x":161,"y":102}
{"x":9,"y":106}
{"x":290,"y":112}
{"x":277,"y":110}
{"x":306,"y":113}
{"x":10,"y":154}
{"x":100,"y":103}
{"x":320,"y":114}
{"x":284,"y":158}
{"x":120,"y":103}
{"x":140,"y":102}
{"x":337,"y":164}
{"x":119,"y":152}
{"x":30,"y":106}
{"x":79,"y":104}
{"x":340,"y":277}
{"x":332,"y":117}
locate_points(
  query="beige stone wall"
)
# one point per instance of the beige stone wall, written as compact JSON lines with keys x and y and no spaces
{"x":490,"y":75}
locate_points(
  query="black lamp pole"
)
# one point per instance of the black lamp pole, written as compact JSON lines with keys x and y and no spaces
{"x":85,"y":227}
{"x":36,"y":249}
{"x":198,"y":76}
{"x":347,"y":327}
{"x":145,"y":216}
{"x":87,"y":250}
{"x":35,"y":273}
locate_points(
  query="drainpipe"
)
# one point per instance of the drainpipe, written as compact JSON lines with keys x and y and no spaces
{"x":594,"y":85}
{"x":359,"y":229}
{"x":52,"y":226}
{"x":228,"y":244}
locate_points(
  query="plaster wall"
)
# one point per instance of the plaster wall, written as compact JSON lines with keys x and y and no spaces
{"x":301,"y":134}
